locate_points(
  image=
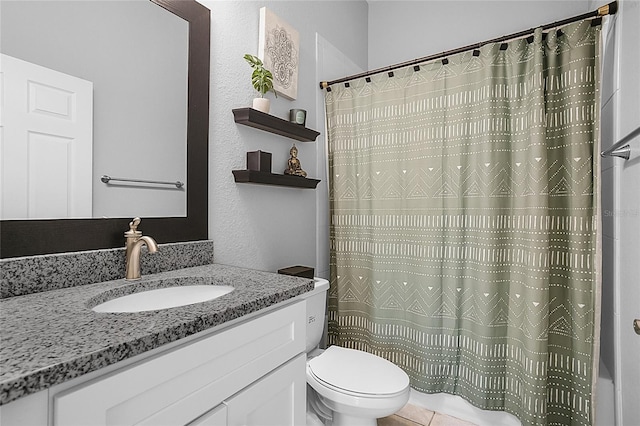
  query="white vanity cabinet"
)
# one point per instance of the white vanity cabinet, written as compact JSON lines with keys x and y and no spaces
{"x":252,"y":373}
{"x":274,"y":400}
{"x":214,"y":417}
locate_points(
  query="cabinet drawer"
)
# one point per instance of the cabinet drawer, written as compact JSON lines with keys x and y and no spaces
{"x":277,"y":399}
{"x":215,"y":417}
{"x":178,"y":386}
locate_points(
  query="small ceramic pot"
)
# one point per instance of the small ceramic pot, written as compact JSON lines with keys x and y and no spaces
{"x":261,"y":104}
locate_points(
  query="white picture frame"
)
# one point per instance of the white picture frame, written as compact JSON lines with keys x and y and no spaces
{"x":279,"y":49}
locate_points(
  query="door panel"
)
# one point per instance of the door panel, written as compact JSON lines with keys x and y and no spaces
{"x":46,"y":144}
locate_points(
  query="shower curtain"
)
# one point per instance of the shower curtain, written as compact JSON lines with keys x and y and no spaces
{"x":464,"y":224}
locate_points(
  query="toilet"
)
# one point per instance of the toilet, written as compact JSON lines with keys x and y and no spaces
{"x":347,"y":387}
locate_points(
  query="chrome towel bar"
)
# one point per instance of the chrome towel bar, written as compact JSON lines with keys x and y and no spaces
{"x":621,"y":148}
{"x":107,"y":179}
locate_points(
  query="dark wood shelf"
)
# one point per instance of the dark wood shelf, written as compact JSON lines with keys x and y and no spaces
{"x":269,"y":123}
{"x":265,"y":178}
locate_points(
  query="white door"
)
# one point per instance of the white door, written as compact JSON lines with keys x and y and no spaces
{"x":331,"y":64}
{"x":46,"y":132}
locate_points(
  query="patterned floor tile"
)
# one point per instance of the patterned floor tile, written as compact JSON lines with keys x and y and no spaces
{"x":411,"y":415}
{"x":416,"y":414}
{"x":397,"y":421}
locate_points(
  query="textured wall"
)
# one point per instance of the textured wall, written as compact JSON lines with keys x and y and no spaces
{"x":256,"y":226}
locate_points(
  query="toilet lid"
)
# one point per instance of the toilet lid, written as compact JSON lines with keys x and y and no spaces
{"x":358,"y":371}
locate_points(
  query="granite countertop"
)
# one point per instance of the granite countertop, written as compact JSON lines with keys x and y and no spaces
{"x":50,"y":337}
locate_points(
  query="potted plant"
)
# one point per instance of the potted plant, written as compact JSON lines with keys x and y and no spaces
{"x":262,"y":81}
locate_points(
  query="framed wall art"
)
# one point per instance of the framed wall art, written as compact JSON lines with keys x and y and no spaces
{"x":278,"y":48}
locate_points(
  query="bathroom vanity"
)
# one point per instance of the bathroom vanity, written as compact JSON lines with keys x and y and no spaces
{"x":237,"y":359}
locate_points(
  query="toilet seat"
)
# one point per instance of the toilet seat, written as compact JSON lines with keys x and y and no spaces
{"x":345,"y":392}
{"x":357,"y":373}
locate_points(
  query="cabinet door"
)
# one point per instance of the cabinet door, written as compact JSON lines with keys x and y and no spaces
{"x":29,"y":410}
{"x":215,"y":417}
{"x":278,"y":399}
{"x":176,"y":387}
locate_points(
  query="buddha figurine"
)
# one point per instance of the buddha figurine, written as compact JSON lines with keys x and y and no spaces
{"x":293,"y":165}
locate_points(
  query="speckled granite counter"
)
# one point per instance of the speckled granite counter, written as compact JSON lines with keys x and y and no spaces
{"x":50,"y":337}
{"x":33,"y":274}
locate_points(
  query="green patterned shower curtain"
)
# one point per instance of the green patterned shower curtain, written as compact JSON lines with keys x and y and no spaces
{"x":464,"y":223}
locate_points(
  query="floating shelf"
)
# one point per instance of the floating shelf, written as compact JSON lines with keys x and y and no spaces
{"x":265,"y":178}
{"x":258,"y":119}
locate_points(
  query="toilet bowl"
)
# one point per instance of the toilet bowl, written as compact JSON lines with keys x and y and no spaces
{"x":348,"y":386}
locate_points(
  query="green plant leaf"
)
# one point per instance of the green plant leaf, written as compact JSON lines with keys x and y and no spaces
{"x":261,"y":78}
{"x":254,"y":61}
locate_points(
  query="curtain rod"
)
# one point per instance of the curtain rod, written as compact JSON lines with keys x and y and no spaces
{"x":608,"y":9}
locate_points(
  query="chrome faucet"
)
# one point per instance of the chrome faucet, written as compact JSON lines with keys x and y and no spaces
{"x":135,"y":241}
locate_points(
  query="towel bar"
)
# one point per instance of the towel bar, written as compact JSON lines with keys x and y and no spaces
{"x":107,"y":179}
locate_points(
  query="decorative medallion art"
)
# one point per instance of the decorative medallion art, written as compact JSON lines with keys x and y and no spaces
{"x":278,"y":48}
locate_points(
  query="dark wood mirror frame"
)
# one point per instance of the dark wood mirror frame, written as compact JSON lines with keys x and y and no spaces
{"x":32,"y":237}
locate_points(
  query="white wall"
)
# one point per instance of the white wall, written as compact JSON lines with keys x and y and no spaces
{"x":403,"y":30}
{"x":621,"y":210}
{"x":608,"y":189}
{"x":257,"y":226}
{"x":628,"y":193}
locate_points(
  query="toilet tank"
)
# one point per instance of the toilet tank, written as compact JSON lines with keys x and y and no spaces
{"x":316,"y":301}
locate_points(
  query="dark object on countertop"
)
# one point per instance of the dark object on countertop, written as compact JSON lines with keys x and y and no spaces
{"x":297,"y":271}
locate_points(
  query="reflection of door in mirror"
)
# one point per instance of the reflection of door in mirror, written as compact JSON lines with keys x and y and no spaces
{"x":47,"y":124}
{"x":136,"y":55}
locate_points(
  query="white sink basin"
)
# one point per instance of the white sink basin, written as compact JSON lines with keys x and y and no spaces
{"x":163,"y":298}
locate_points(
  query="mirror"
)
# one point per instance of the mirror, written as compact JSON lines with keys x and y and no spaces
{"x":30,"y":237}
{"x":92,"y":89}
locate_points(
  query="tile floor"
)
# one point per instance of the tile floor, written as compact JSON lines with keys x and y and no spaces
{"x":410,"y":415}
